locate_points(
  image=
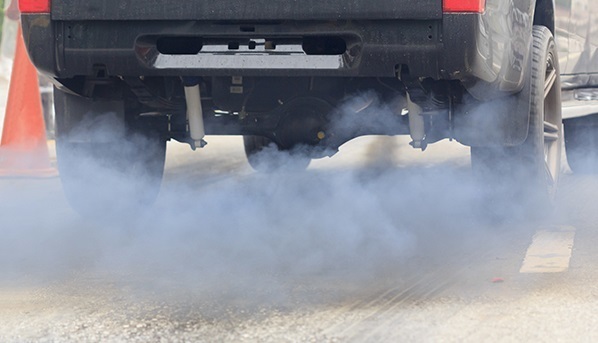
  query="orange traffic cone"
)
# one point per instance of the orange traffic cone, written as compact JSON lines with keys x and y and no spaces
{"x":24,"y":149}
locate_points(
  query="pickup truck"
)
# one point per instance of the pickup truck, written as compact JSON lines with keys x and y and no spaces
{"x":311,"y":75}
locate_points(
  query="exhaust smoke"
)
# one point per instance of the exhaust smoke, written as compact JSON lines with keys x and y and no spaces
{"x":219,"y":231}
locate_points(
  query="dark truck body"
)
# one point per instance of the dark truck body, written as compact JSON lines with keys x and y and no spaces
{"x":380,"y":35}
{"x":310,"y":75}
{"x":486,"y":52}
{"x":260,"y":62}
{"x":344,"y":46}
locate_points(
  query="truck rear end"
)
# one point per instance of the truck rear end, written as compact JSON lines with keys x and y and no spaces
{"x":284,"y":72}
{"x":85,"y":45}
{"x":332,"y":38}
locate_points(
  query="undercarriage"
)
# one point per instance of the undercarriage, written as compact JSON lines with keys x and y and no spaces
{"x":321,"y":113}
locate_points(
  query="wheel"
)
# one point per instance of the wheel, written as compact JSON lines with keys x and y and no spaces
{"x":532,"y":168}
{"x":110,"y":164}
{"x":264,"y":155}
{"x":581,"y":143}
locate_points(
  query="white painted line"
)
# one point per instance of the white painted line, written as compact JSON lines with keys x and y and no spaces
{"x":550,"y":251}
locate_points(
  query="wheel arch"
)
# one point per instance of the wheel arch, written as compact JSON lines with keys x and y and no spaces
{"x":544,"y":14}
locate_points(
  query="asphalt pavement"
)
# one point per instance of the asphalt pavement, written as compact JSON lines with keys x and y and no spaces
{"x":379,"y":243}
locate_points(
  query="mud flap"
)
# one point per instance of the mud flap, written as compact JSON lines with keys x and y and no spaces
{"x":500,"y":122}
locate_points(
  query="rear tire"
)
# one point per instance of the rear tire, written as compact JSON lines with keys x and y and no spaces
{"x":581,"y":143}
{"x":265,"y":156}
{"x":532,"y":168}
{"x":111,"y":163}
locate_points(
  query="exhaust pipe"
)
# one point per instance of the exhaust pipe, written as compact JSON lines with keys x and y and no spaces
{"x":417,"y":125}
{"x":194,"y":112}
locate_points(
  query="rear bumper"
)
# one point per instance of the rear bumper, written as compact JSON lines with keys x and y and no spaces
{"x":374,"y":48}
{"x":454,"y":47}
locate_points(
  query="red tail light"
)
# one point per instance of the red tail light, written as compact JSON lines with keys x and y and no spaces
{"x":34,"y":6}
{"x":467,"y":6}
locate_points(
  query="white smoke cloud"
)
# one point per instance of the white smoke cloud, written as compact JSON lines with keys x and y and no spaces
{"x":220,"y":230}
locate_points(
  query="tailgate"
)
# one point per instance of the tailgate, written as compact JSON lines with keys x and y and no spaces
{"x":246,"y":10}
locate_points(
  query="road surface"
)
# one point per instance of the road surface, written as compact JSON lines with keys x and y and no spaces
{"x":379,"y":243}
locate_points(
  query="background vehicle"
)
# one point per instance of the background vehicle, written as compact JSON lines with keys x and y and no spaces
{"x":311,"y":75}
{"x":579,"y":82}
